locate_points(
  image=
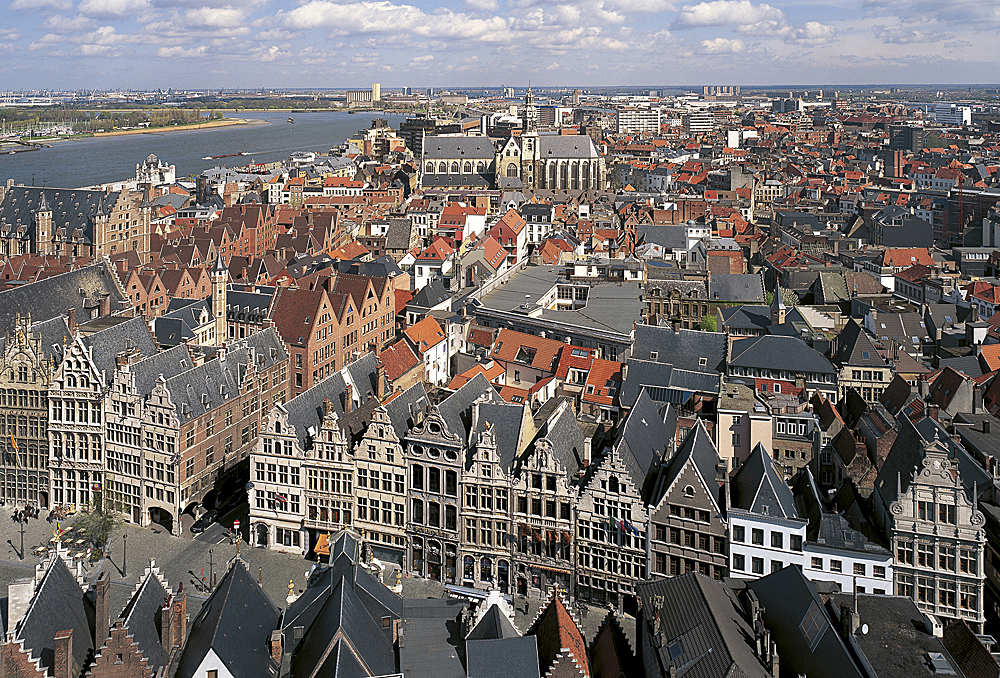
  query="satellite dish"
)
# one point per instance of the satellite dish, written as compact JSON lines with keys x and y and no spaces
{"x":864,"y":629}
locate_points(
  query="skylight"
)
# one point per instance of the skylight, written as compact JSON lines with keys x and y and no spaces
{"x":813,"y":625}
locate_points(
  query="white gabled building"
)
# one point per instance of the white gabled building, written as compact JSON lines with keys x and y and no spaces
{"x":771,"y":527}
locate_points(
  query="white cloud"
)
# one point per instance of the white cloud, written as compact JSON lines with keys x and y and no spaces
{"x":553,"y":66}
{"x":113,"y":7}
{"x":181,"y":53}
{"x":38,"y":4}
{"x":641,"y":6}
{"x":213,"y":17}
{"x":726,"y":13}
{"x":482,"y":5}
{"x":722,"y":46}
{"x":423,"y":59}
{"x":382,"y":16}
{"x":902,"y":35}
{"x":57,"y":23}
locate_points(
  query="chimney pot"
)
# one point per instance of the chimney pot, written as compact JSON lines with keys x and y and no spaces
{"x":102,"y":614}
{"x":62,"y":660}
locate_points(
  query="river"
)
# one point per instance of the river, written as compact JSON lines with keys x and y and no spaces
{"x":86,"y":162}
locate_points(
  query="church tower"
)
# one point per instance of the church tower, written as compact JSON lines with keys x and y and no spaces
{"x":44,"y":238}
{"x":529,"y":118}
{"x":777,"y":307}
{"x":220,"y":281}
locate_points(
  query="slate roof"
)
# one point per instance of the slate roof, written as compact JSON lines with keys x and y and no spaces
{"x":53,"y":335}
{"x":907,"y":454}
{"x":502,"y":658}
{"x":342,"y":620}
{"x":786,"y":596}
{"x":746,"y":317}
{"x":779,"y":353}
{"x":663,"y":383}
{"x":698,"y":450}
{"x":897,"y":644}
{"x":236,"y":624}
{"x":430,"y":638}
{"x":683,"y":349}
{"x":456,"y":409}
{"x":106,"y":344}
{"x":52,"y":297}
{"x":493,"y":625}
{"x":747,"y":288}
{"x":968,"y":652}
{"x":401,"y":408}
{"x":141,"y":616}
{"x":305,"y":410}
{"x":58,"y":604}
{"x":855,"y":347}
{"x":430,"y":295}
{"x":453,"y":147}
{"x":758,"y":488}
{"x":563,"y":430}
{"x":506,"y":422}
{"x":72,"y":209}
{"x":566,"y":146}
{"x":168,"y":363}
{"x":645,"y":438}
{"x":672,"y":237}
{"x":704,"y":615}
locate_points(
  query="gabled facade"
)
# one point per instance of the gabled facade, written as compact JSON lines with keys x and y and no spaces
{"x":926,"y":502}
{"x":380,"y":489}
{"x":434,"y":454}
{"x":688,"y":526}
{"x":611,"y":532}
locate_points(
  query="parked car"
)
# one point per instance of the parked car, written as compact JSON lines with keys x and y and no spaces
{"x":202,"y":523}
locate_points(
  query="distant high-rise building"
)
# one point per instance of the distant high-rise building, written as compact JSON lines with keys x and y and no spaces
{"x":631,"y":120}
{"x":698,"y":122}
{"x":408,"y":91}
{"x":576,"y":97}
{"x":376,"y":92}
{"x":906,"y":138}
{"x":721,"y":90}
{"x":953,"y":114}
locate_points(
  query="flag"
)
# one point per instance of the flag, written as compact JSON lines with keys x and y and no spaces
{"x":14,"y":442}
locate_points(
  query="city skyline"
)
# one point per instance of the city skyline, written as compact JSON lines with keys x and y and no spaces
{"x":65,"y":44}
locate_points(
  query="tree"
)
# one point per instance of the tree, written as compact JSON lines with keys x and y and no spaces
{"x":709,"y":324}
{"x":98,"y":527}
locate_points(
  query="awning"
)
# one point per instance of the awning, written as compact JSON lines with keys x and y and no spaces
{"x":322,"y":545}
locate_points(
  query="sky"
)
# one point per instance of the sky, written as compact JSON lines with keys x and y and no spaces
{"x":109,"y":44}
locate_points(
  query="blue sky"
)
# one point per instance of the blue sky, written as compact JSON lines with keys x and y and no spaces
{"x":330,"y":43}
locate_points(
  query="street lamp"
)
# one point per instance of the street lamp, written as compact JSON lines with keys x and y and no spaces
{"x":211,"y":569}
{"x":124,"y":553}
{"x":21,"y":522}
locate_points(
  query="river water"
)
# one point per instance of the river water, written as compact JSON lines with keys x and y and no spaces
{"x":86,"y":162}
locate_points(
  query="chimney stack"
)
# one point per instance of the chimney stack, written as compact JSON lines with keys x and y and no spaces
{"x":380,"y":381}
{"x":276,"y":645}
{"x":62,"y":660}
{"x":348,"y":398}
{"x":587,"y":452}
{"x":102,"y":612}
{"x":173,"y":622}
{"x":105,"y":306}
{"x":71,"y":320}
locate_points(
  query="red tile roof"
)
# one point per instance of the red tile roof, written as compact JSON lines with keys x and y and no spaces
{"x":425,"y":334}
{"x":398,"y":359}
{"x":527,"y":349}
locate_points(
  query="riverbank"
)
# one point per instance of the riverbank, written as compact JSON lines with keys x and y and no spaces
{"x":213,"y":124}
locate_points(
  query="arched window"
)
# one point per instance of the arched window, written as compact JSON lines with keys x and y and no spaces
{"x":486,"y":570}
{"x":442,"y":167}
{"x":469,"y":567}
{"x":512,"y":170}
{"x":430,"y":168}
{"x":454,"y":167}
{"x":688,"y":491}
{"x":613,"y":485}
{"x":467,"y":167}
{"x":480,"y":166}
{"x":277,"y":427}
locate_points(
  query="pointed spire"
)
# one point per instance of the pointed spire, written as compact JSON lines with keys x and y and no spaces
{"x":43,"y":203}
